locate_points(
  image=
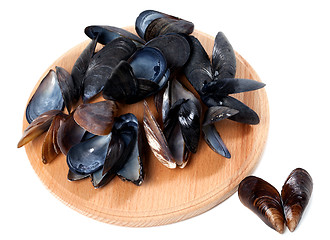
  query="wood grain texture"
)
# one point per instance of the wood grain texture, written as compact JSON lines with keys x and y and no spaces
{"x":167,"y":195}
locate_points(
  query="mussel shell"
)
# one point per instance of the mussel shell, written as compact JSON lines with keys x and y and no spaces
{"x":106,"y":34}
{"x":69,"y":134}
{"x":296,"y":193}
{"x":214,"y":140}
{"x":148,"y":63}
{"x":227,"y":86}
{"x":80,"y":67}
{"x":198,"y":68}
{"x":144,"y":19}
{"x":175,"y":48}
{"x":47,"y":97}
{"x":96,"y":118}
{"x":87,"y":157}
{"x":264,"y":200}
{"x":102,"y":64}
{"x":156,"y":139}
{"x":121,"y":146}
{"x":223,"y":58}
{"x":50,"y":149}
{"x":217,"y":113}
{"x":67,"y":86}
{"x":75,"y":176}
{"x":189,"y":119}
{"x":245,"y":114}
{"x":37,"y":127}
{"x":168,"y":24}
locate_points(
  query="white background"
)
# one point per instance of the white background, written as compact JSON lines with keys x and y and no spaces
{"x":286,"y":42}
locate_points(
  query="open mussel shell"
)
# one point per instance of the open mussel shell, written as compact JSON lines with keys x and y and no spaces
{"x":296,"y":193}
{"x":96,"y":118}
{"x":47,"y":97}
{"x":87,"y":157}
{"x":105,"y":34}
{"x":150,"y":24}
{"x":264,"y":200}
{"x":102,"y":63}
{"x":37,"y":127}
{"x":223,"y":58}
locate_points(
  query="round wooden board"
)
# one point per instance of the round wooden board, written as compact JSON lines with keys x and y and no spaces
{"x":166,"y":195}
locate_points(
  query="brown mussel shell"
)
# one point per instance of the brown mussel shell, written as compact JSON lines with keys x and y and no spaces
{"x":296,"y":193}
{"x":96,"y":118}
{"x":37,"y":127}
{"x":50,"y":147}
{"x":264,"y":200}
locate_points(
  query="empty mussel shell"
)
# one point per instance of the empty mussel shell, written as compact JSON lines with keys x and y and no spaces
{"x":37,"y":127}
{"x":67,"y":87}
{"x":47,"y":97}
{"x":96,"y":118}
{"x":296,"y":193}
{"x":50,"y":148}
{"x":87,"y":157}
{"x":156,"y":139}
{"x":264,"y":200}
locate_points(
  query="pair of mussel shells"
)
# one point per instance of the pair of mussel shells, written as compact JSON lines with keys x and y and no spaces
{"x":274,"y":209}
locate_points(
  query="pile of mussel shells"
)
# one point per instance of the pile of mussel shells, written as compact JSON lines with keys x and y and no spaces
{"x":128,"y":69}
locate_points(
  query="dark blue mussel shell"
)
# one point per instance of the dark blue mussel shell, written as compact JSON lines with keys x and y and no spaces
{"x":48,"y":96}
{"x":150,"y":24}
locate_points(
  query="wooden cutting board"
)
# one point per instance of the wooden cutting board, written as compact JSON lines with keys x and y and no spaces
{"x":166,"y":195}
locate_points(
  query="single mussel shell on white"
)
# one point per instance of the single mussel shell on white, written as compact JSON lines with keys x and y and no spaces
{"x":150,"y":24}
{"x":106,"y":34}
{"x":80,"y":67}
{"x":210,"y":133}
{"x":96,"y":118}
{"x":175,"y":47}
{"x":142,"y":75}
{"x":264,"y":200}
{"x":67,"y":87}
{"x":223,"y":58}
{"x":47,"y":97}
{"x":87,"y":157}
{"x":198,"y":68}
{"x":296,"y":193}
{"x":102,"y":63}
{"x":37,"y":127}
